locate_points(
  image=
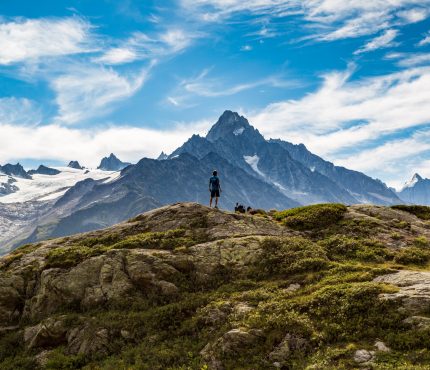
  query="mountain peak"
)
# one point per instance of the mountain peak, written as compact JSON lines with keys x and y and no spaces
{"x":163,"y":156}
{"x":112,"y":163}
{"x":411,"y":183}
{"x":417,"y":177}
{"x":231,"y":124}
{"x":75,"y":165}
{"x":15,"y":170}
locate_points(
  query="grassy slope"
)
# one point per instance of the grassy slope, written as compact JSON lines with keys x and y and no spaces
{"x":332,"y":255}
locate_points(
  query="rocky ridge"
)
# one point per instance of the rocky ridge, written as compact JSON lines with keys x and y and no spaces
{"x":323,"y":286}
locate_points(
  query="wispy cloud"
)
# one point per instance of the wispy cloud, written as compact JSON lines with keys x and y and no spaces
{"x":410,"y":59}
{"x":141,"y":46}
{"x":32,"y":39}
{"x":425,"y":40}
{"x":342,"y":114}
{"x":383,"y":41}
{"x":327,"y":19}
{"x":212,"y":87}
{"x":85,"y":92}
{"x":19,"y":111}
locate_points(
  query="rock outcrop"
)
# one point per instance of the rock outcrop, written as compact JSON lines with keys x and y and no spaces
{"x":186,"y":285}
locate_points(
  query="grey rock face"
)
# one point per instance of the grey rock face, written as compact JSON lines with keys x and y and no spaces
{"x":75,"y":165}
{"x":112,"y":163}
{"x":7,"y":186}
{"x":15,"y":170}
{"x":414,"y":293}
{"x":43,"y":170}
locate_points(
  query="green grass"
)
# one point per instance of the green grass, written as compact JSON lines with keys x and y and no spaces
{"x":311,"y":217}
{"x":335,"y":310}
{"x":422,"y":212}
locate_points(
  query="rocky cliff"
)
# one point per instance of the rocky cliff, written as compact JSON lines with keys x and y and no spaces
{"x":188,"y":287}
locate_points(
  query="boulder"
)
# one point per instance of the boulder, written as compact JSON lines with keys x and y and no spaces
{"x":414,"y":292}
{"x":87,"y":340}
{"x":364,"y":357}
{"x":289,"y":345}
{"x":49,"y":333}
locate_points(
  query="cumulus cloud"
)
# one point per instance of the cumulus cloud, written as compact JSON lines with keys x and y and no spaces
{"x":343,"y":113}
{"x":30,"y":39}
{"x":88,"y":146}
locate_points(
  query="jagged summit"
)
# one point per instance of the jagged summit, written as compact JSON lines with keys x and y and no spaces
{"x":44,"y":170}
{"x":112,"y":163}
{"x":15,"y":170}
{"x":231,"y":124}
{"x":163,"y":156}
{"x":416,"y":190}
{"x":75,"y":165}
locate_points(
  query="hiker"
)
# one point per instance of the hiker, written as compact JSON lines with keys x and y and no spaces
{"x":214,"y":188}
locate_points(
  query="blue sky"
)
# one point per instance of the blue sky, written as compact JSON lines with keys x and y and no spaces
{"x":348,"y":78}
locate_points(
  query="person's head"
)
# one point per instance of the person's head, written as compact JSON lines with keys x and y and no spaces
{"x":215,"y":173}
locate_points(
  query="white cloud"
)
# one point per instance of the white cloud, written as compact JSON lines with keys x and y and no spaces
{"x":410,"y":59}
{"x":425,"y":40}
{"x":329,"y":19}
{"x":30,"y":39}
{"x":19,"y":111}
{"x":342,"y":114}
{"x":211,"y":87}
{"x":143,"y":47}
{"x":119,"y":55}
{"x":88,"y":146}
{"x":246,"y":48}
{"x":383,"y":41}
{"x":90,"y":91}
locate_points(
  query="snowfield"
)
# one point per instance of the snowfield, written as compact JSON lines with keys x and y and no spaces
{"x":46,"y":187}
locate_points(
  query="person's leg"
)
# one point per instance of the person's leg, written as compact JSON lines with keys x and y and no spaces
{"x":216,"y":202}
{"x":210,"y":202}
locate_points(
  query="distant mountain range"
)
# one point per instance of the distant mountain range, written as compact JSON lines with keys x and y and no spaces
{"x":254,"y":171}
{"x":416,"y":191}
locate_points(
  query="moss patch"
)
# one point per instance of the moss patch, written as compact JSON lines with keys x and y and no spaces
{"x":311,"y":217}
{"x":422,"y":212}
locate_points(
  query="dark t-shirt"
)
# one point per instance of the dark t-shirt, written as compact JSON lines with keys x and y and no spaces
{"x":214,"y":183}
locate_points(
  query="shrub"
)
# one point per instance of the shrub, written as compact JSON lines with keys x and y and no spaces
{"x":421,"y":242}
{"x":340,"y":248}
{"x":422,"y":212}
{"x":156,"y":240}
{"x":290,"y":255}
{"x":64,"y":257}
{"x":352,"y":311}
{"x":412,"y":256}
{"x":311,"y":217}
{"x":396,"y":236}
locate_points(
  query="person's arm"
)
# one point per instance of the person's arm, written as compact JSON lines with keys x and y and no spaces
{"x":209,"y":185}
{"x":220,"y":190}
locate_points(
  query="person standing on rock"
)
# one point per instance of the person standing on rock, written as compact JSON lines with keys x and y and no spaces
{"x":214,"y":188}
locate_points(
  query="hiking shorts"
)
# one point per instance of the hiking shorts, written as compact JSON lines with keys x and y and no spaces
{"x":214,"y":193}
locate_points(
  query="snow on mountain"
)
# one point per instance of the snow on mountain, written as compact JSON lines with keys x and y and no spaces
{"x":238,"y":131}
{"x":47,"y":187}
{"x":253,"y":162}
{"x":411,"y":183}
